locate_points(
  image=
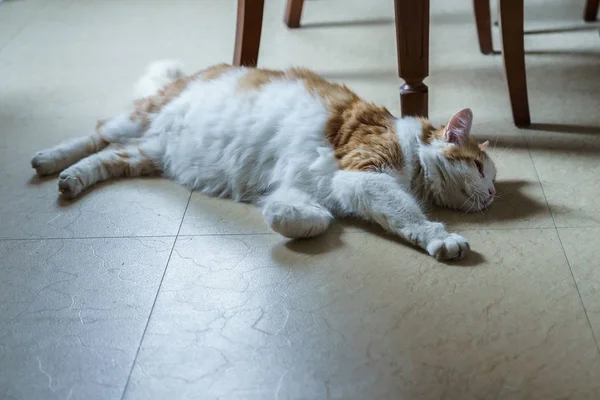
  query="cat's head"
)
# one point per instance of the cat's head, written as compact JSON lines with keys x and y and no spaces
{"x":460,"y":174}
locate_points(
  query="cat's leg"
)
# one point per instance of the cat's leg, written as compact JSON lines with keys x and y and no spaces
{"x":295,"y":214}
{"x":114,"y":130}
{"x":113,"y":162}
{"x":379,"y":198}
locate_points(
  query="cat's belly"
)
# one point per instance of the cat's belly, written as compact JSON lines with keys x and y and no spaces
{"x":242,"y":147}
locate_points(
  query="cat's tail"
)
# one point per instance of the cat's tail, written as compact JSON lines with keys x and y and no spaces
{"x":158,"y":74}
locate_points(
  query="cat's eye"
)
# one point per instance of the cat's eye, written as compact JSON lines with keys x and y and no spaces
{"x":479,"y":166}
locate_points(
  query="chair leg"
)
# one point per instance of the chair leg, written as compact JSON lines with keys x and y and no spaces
{"x":247,"y":37}
{"x":412,"y":42}
{"x":513,"y":51}
{"x":591,"y":10}
{"x":481,"y":9}
{"x":293,"y":13}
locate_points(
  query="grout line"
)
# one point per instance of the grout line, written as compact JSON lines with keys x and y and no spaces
{"x":155,"y":299}
{"x":578,"y":291}
{"x":17,"y":33}
{"x":563,"y":250}
{"x":456,"y":228}
{"x":88,"y":237}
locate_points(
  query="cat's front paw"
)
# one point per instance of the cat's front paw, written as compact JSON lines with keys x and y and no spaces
{"x":449,"y":247}
{"x":69,"y":185}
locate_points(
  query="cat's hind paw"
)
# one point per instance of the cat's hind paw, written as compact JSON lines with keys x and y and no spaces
{"x":69,"y":186}
{"x":44,"y":163}
{"x":450,"y":247}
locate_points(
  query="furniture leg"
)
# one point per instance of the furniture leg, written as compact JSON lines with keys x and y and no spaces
{"x":481,"y":9}
{"x":513,"y":51}
{"x":591,"y":10}
{"x":293,"y":13}
{"x":412,"y":41}
{"x":247,"y":36}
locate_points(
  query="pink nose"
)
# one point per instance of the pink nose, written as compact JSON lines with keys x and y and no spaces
{"x":492,"y":192}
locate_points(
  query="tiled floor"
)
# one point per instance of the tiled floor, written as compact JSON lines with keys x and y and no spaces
{"x":142,"y":290}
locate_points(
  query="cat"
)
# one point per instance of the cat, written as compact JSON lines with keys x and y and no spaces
{"x":300,"y":147}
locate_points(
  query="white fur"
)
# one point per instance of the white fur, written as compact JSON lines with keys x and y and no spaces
{"x":158,"y":74}
{"x":265,"y":146}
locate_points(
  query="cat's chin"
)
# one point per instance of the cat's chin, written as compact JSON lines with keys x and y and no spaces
{"x":468,"y":209}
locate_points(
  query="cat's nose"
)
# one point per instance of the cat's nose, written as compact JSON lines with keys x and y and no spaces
{"x":492,"y":191}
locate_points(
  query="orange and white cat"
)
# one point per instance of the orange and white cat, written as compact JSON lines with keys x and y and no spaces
{"x":303,"y":149}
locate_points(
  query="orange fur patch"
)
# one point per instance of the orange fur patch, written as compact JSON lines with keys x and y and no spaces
{"x":124,"y":165}
{"x":469,"y":150}
{"x":429,"y":133}
{"x":153,"y":104}
{"x":363,"y":135}
{"x":255,"y":78}
{"x":213,"y":72}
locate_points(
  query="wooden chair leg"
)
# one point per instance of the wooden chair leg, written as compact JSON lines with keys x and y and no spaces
{"x":513,"y":51}
{"x":591,"y":10}
{"x":412,"y":42}
{"x":247,"y":37}
{"x":293,"y":13}
{"x":483,"y":22}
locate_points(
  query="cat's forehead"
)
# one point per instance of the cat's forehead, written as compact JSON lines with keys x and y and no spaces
{"x":468,"y":150}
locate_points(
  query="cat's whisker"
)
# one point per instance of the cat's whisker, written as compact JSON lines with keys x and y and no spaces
{"x":495,"y":144}
{"x":507,"y":148}
{"x":467,"y":200}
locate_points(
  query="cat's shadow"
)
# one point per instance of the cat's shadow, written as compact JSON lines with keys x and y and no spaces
{"x":518,"y":201}
{"x":333,"y":240}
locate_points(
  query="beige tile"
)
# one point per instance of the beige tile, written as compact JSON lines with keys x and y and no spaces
{"x":208,"y":215}
{"x":87,"y":57}
{"x":581,"y":246}
{"x":15,"y":16}
{"x":567,"y":164}
{"x":73,"y":312}
{"x":359,"y":316}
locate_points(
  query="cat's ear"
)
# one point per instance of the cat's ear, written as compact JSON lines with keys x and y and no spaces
{"x":459,"y":127}
{"x":484,"y":145}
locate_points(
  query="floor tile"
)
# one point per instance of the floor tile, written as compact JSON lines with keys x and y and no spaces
{"x":355,"y":316}
{"x":15,"y":16}
{"x":72,"y":314}
{"x":567,"y":164}
{"x":208,"y":215}
{"x":581,"y":246}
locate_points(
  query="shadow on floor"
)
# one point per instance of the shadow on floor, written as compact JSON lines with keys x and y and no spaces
{"x":564,"y":128}
{"x":535,"y":139}
{"x":513,"y":204}
{"x":351,"y":23}
{"x":576,"y":28}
